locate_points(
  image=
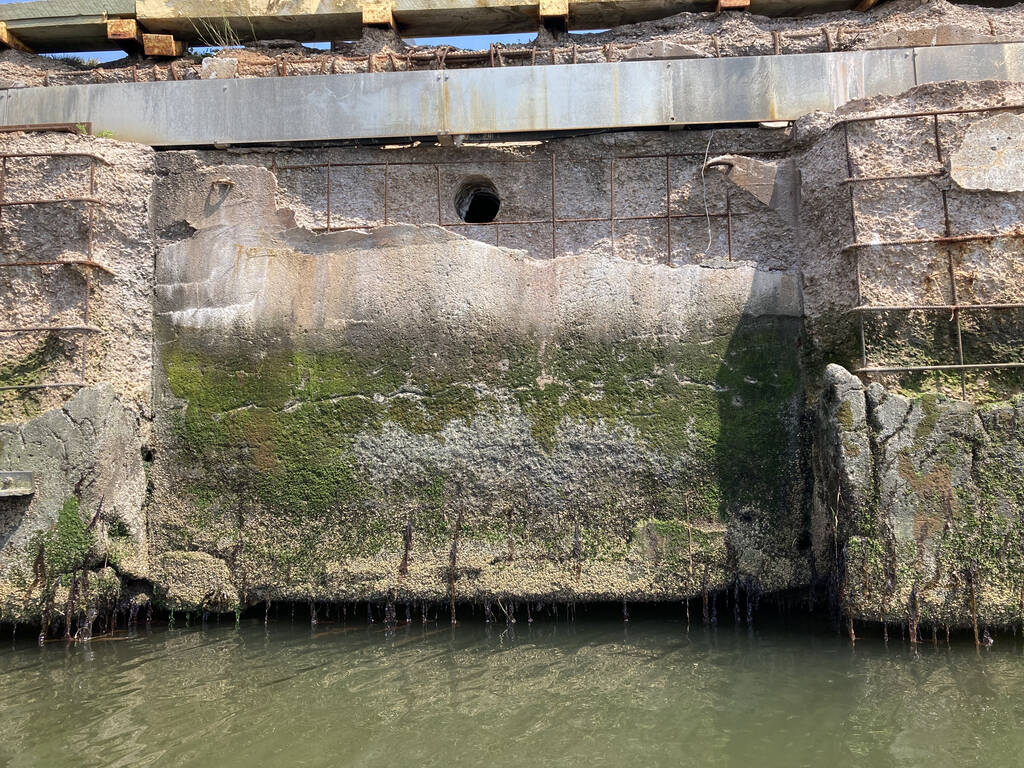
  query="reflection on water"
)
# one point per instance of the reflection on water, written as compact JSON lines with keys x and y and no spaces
{"x":589,"y":693}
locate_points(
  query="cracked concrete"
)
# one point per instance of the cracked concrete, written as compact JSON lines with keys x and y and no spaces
{"x":918,"y":505}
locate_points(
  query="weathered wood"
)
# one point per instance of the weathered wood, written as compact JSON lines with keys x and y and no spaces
{"x":10,"y":40}
{"x":732,"y":5}
{"x":162,"y":45}
{"x":83,"y":25}
{"x":378,"y":13}
{"x":554,"y":8}
{"x":122,"y":29}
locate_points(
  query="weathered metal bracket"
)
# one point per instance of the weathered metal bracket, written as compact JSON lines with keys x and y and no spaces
{"x":17,"y":484}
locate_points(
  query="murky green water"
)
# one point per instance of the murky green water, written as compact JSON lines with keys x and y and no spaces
{"x":590,"y":693}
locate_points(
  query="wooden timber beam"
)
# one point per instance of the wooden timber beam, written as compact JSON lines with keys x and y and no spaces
{"x":161,"y":45}
{"x":53,"y":26}
{"x":128,"y":34}
{"x":9,"y":40}
{"x":378,"y":13}
{"x":125,"y":33}
{"x":554,"y":15}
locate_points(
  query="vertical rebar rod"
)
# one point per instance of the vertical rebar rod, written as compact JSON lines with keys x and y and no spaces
{"x":668,"y":211}
{"x":3,"y":192}
{"x":437,"y":170}
{"x":553,"y":237}
{"x":91,"y":257}
{"x":611,"y":203}
{"x":952,"y":268}
{"x":728,"y":222}
{"x":387,"y":175}
{"x":328,"y":192}
{"x":856,"y":255}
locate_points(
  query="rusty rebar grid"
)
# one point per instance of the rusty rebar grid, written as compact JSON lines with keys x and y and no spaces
{"x":552,"y":221}
{"x":88,"y":263}
{"x":90,"y":155}
{"x":275,"y":167}
{"x":953,"y":293}
{"x":946,"y":242}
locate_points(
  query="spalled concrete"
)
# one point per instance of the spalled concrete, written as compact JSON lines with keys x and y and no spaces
{"x":617,"y":390}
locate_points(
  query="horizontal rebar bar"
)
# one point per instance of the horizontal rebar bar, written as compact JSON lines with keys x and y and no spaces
{"x":894,"y":177}
{"x":52,"y":328}
{"x":506,"y":161}
{"x":522,"y":222}
{"x":93,"y":200}
{"x":930,"y":113}
{"x":59,"y":262}
{"x":951,"y":367}
{"x":88,"y":155}
{"x":932,"y":307}
{"x":937,"y":240}
{"x":58,"y":385}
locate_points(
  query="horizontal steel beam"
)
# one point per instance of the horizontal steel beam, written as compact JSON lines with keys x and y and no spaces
{"x":515,"y":100}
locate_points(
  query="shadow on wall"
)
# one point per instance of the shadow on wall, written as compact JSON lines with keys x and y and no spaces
{"x":760,"y":396}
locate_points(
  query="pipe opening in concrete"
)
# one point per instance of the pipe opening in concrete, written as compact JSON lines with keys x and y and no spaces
{"x":477,"y":201}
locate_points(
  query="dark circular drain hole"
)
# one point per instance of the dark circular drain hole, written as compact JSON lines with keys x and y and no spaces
{"x":477,"y":201}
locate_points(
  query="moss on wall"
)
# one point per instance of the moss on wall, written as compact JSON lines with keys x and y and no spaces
{"x":29,"y":370}
{"x":693,"y":430}
{"x":67,"y":545}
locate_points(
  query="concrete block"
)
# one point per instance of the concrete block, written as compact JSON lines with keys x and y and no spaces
{"x":219,"y":69}
{"x":991,"y":155}
{"x":16,"y":484}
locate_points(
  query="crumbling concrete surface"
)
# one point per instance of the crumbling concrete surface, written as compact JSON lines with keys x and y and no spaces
{"x":80,"y":309}
{"x":90,"y":452}
{"x":991,"y":156}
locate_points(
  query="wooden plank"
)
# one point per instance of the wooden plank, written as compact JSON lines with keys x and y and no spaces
{"x":162,"y":45}
{"x":732,"y":5}
{"x":9,"y":40}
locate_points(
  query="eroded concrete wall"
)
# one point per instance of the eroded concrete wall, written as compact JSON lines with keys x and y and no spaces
{"x":607,"y":393}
